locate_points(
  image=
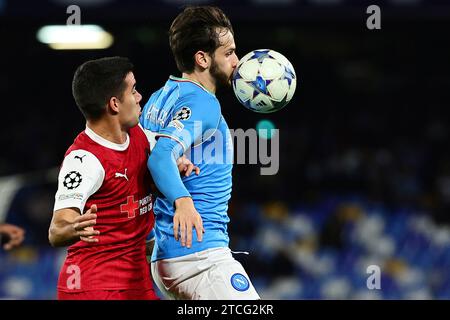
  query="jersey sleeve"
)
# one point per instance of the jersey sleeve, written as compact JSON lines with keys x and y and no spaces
{"x":81,"y":175}
{"x":193,"y":120}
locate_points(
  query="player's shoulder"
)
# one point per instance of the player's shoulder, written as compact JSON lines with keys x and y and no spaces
{"x":199,"y":101}
{"x":82,"y":163}
{"x":142,"y":135}
{"x":82,"y":141}
{"x":193,"y":91}
{"x":136,"y":130}
{"x":80,"y":157}
{"x":154,"y":96}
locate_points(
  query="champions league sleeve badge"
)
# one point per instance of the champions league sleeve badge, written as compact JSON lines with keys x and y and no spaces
{"x":72,"y":180}
{"x":183,"y":114}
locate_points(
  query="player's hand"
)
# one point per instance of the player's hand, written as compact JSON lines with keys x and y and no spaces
{"x":186,"y":217}
{"x":185,"y":166}
{"x":15,"y":234}
{"x":84,"y":225}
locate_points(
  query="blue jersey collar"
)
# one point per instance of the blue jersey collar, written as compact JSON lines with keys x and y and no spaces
{"x":178,"y":79}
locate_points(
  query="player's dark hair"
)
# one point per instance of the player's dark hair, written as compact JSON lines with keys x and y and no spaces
{"x":96,"y":81}
{"x":195,"y":29}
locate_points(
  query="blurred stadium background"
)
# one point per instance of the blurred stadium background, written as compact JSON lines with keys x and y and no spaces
{"x":364,"y":173}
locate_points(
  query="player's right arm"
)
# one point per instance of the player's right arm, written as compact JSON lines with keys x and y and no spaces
{"x":68,"y":227}
{"x":81,"y":175}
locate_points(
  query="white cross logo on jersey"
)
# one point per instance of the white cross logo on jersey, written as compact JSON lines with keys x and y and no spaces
{"x":122,"y":175}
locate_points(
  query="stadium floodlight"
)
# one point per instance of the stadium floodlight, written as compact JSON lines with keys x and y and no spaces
{"x":75,"y":37}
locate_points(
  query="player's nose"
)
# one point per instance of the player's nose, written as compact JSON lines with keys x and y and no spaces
{"x":139,"y":97}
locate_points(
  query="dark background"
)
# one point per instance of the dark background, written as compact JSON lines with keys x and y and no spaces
{"x":367,"y":128}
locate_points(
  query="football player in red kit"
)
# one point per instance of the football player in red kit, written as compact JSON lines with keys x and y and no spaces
{"x":103,"y":206}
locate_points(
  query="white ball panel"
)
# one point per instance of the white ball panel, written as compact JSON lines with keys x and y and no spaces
{"x":243,"y":90}
{"x":249,"y":70}
{"x":278,"y":89}
{"x":271,"y":69}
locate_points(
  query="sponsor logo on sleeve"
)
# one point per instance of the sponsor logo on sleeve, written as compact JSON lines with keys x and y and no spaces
{"x":75,"y":196}
{"x":176,"y":124}
{"x":80,"y":158}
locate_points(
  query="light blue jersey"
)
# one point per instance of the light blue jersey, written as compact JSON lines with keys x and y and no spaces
{"x":188,"y":113}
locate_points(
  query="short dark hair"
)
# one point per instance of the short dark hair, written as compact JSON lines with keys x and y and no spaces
{"x":96,"y":81}
{"x":195,"y":29}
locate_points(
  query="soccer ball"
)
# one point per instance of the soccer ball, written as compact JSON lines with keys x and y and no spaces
{"x":264,"y":81}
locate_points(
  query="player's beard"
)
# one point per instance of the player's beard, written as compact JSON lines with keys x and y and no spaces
{"x":220,"y":77}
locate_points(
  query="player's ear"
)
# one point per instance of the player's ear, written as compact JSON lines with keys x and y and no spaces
{"x":113,"y":104}
{"x":202,"y":59}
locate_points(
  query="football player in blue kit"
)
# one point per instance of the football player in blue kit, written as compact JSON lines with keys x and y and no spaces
{"x":191,"y":258}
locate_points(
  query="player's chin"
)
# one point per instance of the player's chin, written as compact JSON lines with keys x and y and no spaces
{"x":134,"y":122}
{"x":230,"y":79}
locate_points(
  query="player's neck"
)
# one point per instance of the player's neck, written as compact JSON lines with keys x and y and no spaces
{"x":204,"y":78}
{"x":109,"y":130}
